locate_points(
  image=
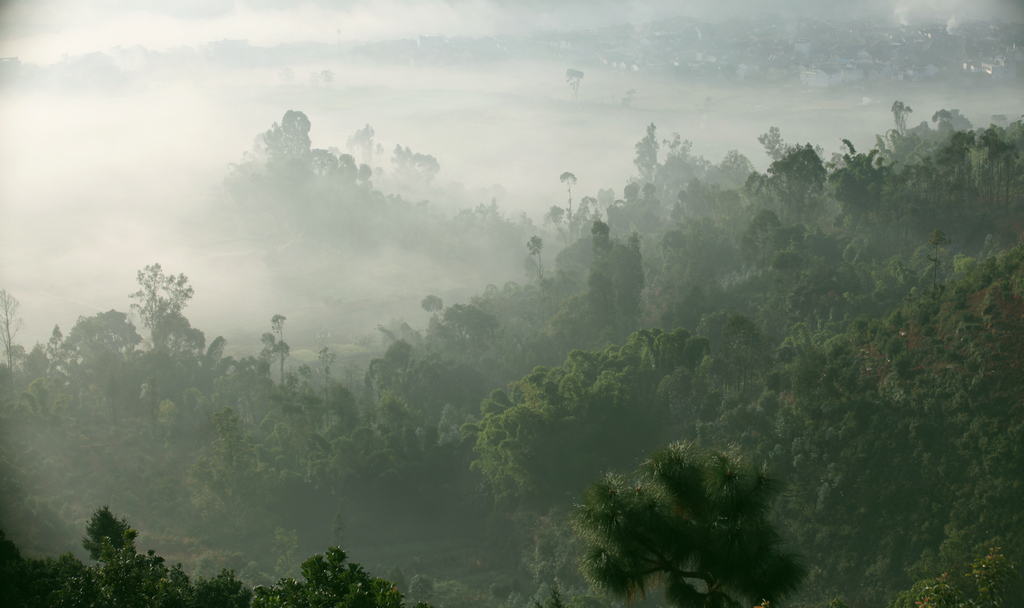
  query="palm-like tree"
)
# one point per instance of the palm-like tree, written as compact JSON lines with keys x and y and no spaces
{"x":696,"y":523}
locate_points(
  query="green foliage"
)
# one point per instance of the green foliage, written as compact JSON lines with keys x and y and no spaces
{"x":422,"y":587}
{"x":103,"y":527}
{"x":286,"y":545}
{"x":232,"y":485}
{"x":159,"y":303}
{"x":551,"y":553}
{"x":123,"y":578}
{"x":859,"y":182}
{"x":599,"y":409}
{"x":328,"y":581}
{"x":894,"y":417}
{"x":989,"y":575}
{"x":686,"y":516}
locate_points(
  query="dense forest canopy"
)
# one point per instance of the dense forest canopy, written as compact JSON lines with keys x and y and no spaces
{"x":839,"y":334}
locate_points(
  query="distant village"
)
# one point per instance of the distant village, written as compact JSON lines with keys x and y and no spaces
{"x":813,"y":52}
{"x":816,"y":53}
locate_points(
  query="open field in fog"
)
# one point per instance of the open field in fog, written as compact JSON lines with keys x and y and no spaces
{"x":94,"y":184}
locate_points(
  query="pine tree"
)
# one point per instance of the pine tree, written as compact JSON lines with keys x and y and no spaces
{"x":103,"y":525}
{"x":696,"y":522}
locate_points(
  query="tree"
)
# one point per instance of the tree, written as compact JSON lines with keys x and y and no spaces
{"x":276,"y":347}
{"x":232,"y":484}
{"x":859,"y":181}
{"x":773,"y":144}
{"x":735,"y":169}
{"x":414,"y":167}
{"x":796,"y":183}
{"x":698,"y":523}
{"x":573,"y":78}
{"x":947,"y":121}
{"x":900,"y":111}
{"x":326,"y":358}
{"x":569,"y":180}
{"x":103,"y":526}
{"x":10,"y":323}
{"x":362,"y":141}
{"x":109,"y":331}
{"x":159,"y":303}
{"x":615,"y":283}
{"x":290,"y":139}
{"x":555,"y":216}
{"x":646,"y":160}
{"x":991,"y":574}
{"x":432,"y":303}
{"x":744,"y":350}
{"x":536,"y":245}
{"x":936,"y":240}
{"x":331,"y":582}
{"x":756,"y":242}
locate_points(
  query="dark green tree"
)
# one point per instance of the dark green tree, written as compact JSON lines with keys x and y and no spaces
{"x":859,"y":182}
{"x":795,"y":184}
{"x":937,"y":240}
{"x":330,"y":582}
{"x":756,"y":243}
{"x":698,"y":523}
{"x":103,"y":526}
{"x":232,"y":485}
{"x":615,"y":283}
{"x":990,"y":575}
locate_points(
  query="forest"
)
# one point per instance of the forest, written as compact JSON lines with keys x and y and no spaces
{"x":713,"y":387}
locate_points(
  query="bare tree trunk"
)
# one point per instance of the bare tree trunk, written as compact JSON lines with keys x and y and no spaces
{"x":10,"y":323}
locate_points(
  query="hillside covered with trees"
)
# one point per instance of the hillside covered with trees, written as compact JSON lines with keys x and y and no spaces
{"x":843,"y":333}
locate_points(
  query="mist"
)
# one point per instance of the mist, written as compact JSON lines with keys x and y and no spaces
{"x":42,"y":31}
{"x":112,"y":166}
{"x":444,"y":137}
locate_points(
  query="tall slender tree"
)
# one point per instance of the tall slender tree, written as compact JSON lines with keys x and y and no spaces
{"x":646,"y":160}
{"x":276,"y":347}
{"x":569,"y":180}
{"x":900,"y":111}
{"x":937,"y":240}
{"x":159,"y":302}
{"x":10,"y":323}
{"x":536,"y":245}
{"x":573,"y":78}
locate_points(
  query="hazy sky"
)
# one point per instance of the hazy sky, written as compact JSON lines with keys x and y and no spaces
{"x":42,"y":30}
{"x":97,"y":183}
